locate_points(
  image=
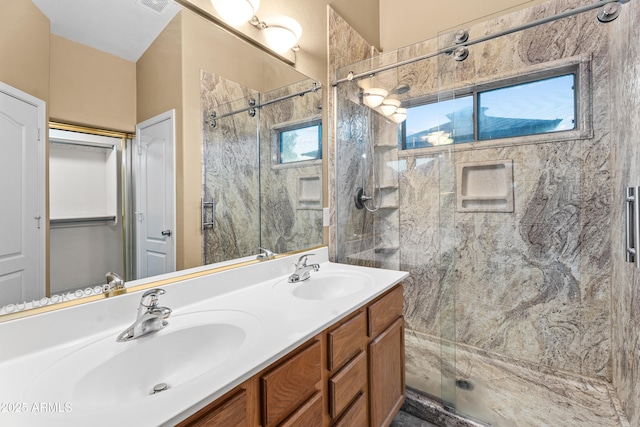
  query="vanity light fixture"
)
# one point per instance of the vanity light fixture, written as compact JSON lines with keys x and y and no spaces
{"x":389,"y":106}
{"x":280,"y":32}
{"x":236,"y":12}
{"x":400,"y":115}
{"x":373,"y":97}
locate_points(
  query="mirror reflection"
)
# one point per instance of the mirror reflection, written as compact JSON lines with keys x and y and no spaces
{"x":158,"y":152}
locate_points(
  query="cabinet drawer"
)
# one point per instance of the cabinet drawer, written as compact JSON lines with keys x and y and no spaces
{"x":345,"y":341}
{"x":356,"y":415}
{"x":347,"y":383}
{"x":231,"y":412}
{"x":384,"y":311}
{"x":309,"y":414}
{"x":289,"y":384}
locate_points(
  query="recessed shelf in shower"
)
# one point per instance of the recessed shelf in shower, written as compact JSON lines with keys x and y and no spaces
{"x":484,"y":186}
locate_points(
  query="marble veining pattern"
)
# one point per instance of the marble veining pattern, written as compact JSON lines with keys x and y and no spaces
{"x":625,"y":280}
{"x":533,"y":286}
{"x":285,"y":226}
{"x":256,"y":200}
{"x":509,"y":392}
{"x":345,"y":46}
{"x":230,"y":171}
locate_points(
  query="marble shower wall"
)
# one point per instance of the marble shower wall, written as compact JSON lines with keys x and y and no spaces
{"x":625,"y":110}
{"x":291,"y":195}
{"x":344,"y":132}
{"x":256,"y":201}
{"x":363,"y":153}
{"x":231,"y":176}
{"x":534,"y":284}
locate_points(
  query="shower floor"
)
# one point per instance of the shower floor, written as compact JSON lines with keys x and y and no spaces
{"x":509,"y":393}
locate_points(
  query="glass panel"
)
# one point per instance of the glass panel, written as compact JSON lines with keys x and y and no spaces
{"x":297,"y":145}
{"x":457,"y":113}
{"x":527,"y":109}
{"x":291,"y":194}
{"x":439,"y":123}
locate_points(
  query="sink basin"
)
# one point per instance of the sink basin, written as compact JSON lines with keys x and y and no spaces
{"x":107,"y":372}
{"x":327,"y":285}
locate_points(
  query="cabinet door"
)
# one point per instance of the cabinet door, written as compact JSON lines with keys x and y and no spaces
{"x":384,"y":311}
{"x":346,"y":340}
{"x":285,"y":387}
{"x":232,"y":412}
{"x":347,"y":384}
{"x":309,"y":414}
{"x":386,"y":374}
{"x":356,"y":415}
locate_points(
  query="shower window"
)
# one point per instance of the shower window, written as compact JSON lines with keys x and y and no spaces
{"x":439,"y":123}
{"x":300,"y":143}
{"x":527,"y":109}
{"x":485,"y":113}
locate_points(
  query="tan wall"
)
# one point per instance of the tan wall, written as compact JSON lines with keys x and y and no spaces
{"x":311,"y":60}
{"x":404,"y":22}
{"x":90,"y":87}
{"x":24,"y":48}
{"x":159,"y":89}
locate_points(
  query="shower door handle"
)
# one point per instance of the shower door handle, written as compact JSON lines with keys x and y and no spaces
{"x":205,"y":205}
{"x":632,"y":224}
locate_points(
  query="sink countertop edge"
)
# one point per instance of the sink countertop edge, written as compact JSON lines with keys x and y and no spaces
{"x":245,"y":297}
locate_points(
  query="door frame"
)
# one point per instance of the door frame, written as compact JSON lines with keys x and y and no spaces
{"x":135,"y":174}
{"x":42,"y":180}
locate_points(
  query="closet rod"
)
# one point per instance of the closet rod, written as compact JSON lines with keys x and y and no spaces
{"x":87,"y":219}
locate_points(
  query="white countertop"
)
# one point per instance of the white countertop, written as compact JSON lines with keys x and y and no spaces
{"x":38,"y":347}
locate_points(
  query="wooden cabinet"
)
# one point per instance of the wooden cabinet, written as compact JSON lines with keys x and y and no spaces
{"x":285,"y":387}
{"x":386,"y":374}
{"x":384,"y":311}
{"x":228,"y":411}
{"x":355,"y":415}
{"x":350,"y":375}
{"x":309,"y":414}
{"x":346,"y":340}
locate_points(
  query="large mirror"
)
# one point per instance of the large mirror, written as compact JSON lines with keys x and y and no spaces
{"x":201,"y":147}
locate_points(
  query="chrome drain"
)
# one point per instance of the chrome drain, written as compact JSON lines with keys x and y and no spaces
{"x":160,"y":388}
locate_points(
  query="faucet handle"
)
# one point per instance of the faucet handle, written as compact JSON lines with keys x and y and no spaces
{"x":302,"y":261}
{"x":150,"y":298}
{"x":265,"y":254}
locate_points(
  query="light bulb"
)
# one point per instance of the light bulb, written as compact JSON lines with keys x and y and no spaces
{"x":400,"y":115}
{"x":281,"y":32}
{"x":236,"y":12}
{"x":389,"y":106}
{"x":374,"y":96}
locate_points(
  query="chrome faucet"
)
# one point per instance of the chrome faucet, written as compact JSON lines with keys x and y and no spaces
{"x":265,"y":254}
{"x":114,"y":282}
{"x":303,"y":271}
{"x":151,"y":318}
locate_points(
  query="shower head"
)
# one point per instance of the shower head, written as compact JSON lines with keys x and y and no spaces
{"x":400,"y":89}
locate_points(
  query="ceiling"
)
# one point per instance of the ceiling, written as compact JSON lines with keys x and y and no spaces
{"x":125,"y":28}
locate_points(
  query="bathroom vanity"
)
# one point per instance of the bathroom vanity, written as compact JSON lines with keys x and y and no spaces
{"x":242,"y":347}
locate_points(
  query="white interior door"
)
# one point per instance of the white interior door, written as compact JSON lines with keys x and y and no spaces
{"x":22,"y":222}
{"x":154,"y":176}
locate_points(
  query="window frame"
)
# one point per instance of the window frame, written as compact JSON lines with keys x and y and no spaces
{"x":278,"y":130}
{"x":580,"y":67}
